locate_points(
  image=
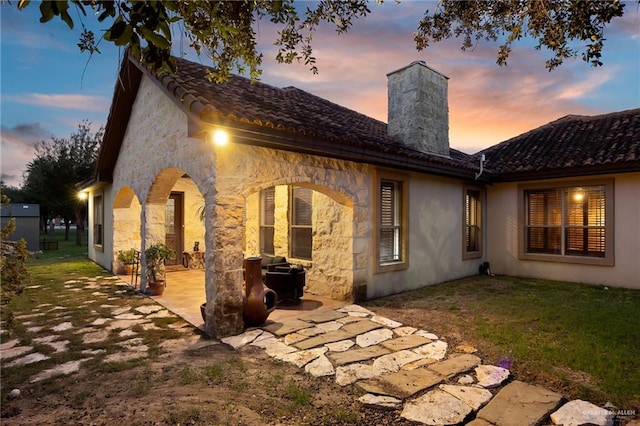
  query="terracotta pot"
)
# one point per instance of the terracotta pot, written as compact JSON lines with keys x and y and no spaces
{"x":155,"y":288}
{"x":259,"y":300}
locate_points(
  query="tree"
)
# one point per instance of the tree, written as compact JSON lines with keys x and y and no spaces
{"x":59,"y":164}
{"x":225,"y":29}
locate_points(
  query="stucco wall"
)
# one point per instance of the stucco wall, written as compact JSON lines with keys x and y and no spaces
{"x":103,"y":256}
{"x":502,"y":201}
{"x":435,"y":238}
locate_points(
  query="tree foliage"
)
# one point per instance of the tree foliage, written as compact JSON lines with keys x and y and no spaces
{"x":13,"y":259}
{"x":554,"y":24}
{"x":226,"y":30}
{"x":59,"y":164}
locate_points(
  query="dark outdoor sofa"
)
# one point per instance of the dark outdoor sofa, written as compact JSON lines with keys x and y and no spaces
{"x":286,"y":280}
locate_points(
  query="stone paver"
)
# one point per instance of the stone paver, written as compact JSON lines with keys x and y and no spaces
{"x":404,"y":330}
{"x":348,"y":374}
{"x":382,"y":402}
{"x":286,"y":327}
{"x":520,"y":404}
{"x":474,"y":397}
{"x":578,"y":412}
{"x":323,"y":339}
{"x":436,"y":350}
{"x":302,"y":358}
{"x":394,"y":361}
{"x":340,"y":346}
{"x":386,"y":321}
{"x":320,"y":367}
{"x":406,"y":342}
{"x":356,"y":355}
{"x":436,"y":408}
{"x":456,"y":365}
{"x":325,"y":316}
{"x":360,"y":327}
{"x":373,"y":337}
{"x":401,"y":384}
{"x":491,"y":376}
{"x":242,"y":339}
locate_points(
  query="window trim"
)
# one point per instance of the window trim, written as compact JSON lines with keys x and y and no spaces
{"x":609,"y":257}
{"x":466,"y":255}
{"x":403,"y":180}
{"x":293,"y":226}
{"x":95,"y":195}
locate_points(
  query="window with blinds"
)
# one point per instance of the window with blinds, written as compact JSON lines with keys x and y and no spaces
{"x":301,"y":208}
{"x":98,"y":220}
{"x":566,"y":221}
{"x":267,"y":220}
{"x":473,"y":221}
{"x":390,"y":222}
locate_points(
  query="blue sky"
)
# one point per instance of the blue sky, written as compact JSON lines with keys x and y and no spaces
{"x":48,"y":87}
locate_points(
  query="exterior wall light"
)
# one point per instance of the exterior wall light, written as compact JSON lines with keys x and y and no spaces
{"x":220,"y":137}
{"x":83,"y":195}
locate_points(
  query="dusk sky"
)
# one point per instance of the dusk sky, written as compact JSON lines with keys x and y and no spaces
{"x":48,"y":87}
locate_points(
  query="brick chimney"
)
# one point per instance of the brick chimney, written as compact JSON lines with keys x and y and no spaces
{"x":418,"y":108}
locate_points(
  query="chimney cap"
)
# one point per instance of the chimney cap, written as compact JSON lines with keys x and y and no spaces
{"x":421,"y":63}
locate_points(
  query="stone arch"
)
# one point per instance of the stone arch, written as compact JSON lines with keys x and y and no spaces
{"x":337,"y":257}
{"x":168,"y":180}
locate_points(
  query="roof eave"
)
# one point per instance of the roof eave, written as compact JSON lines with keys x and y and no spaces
{"x":614,"y":168}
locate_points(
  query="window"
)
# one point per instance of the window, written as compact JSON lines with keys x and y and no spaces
{"x":570,"y":222}
{"x":98,"y":220}
{"x":267,"y":220}
{"x":390,"y":224}
{"x":472,"y":224}
{"x":300,"y":223}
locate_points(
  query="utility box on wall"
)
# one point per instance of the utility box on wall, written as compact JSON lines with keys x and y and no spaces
{"x":27,"y":218}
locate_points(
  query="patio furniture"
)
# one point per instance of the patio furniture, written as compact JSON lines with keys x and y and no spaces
{"x":273,"y":261}
{"x":135,"y":269}
{"x":287,"y":281}
{"x":193,"y":260}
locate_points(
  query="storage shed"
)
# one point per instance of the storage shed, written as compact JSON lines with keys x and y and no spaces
{"x":27,"y":223}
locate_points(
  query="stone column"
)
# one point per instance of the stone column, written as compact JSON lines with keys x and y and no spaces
{"x":224,"y":228}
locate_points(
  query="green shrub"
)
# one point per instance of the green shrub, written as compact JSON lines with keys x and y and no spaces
{"x":13,"y":263}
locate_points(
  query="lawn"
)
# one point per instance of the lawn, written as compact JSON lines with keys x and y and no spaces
{"x":580,"y":340}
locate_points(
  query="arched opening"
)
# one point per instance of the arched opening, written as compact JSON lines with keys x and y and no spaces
{"x":173,"y":214}
{"x":311,"y":225}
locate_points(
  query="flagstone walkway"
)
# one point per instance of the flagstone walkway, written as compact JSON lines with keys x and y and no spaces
{"x":413,"y":371}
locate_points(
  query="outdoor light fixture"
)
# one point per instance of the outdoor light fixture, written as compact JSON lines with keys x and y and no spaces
{"x":578,"y":196}
{"x":220,"y":137}
{"x":82,"y":195}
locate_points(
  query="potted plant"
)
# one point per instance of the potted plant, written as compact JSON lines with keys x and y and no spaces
{"x":156,"y":255}
{"x":127,"y":258}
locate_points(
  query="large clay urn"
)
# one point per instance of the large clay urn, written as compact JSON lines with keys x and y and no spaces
{"x":259,"y":300}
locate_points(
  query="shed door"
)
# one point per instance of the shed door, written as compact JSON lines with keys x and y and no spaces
{"x":174,"y":226}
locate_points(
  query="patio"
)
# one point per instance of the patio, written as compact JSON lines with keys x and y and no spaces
{"x":185,"y":293}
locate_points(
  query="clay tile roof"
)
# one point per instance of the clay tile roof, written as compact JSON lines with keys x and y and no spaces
{"x":296,"y":112}
{"x":572,"y":145}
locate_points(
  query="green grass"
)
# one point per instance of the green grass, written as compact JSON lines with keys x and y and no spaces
{"x":586,"y":337}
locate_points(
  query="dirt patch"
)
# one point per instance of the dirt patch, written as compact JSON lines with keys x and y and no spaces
{"x":213,"y":385}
